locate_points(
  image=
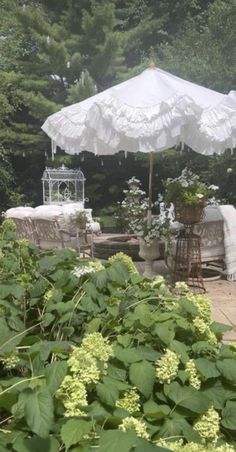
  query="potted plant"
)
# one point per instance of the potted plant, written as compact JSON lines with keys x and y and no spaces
{"x":150,"y":233}
{"x":189,"y":196}
{"x":81,"y":219}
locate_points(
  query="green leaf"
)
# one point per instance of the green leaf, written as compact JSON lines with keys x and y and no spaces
{"x":15,"y":323}
{"x":90,"y":290}
{"x":127,"y":355}
{"x":187,"y":397}
{"x":207,"y":368}
{"x":219,"y":393}
{"x":188,"y":307}
{"x":124,"y":339}
{"x":74,"y":430}
{"x":116,"y":372}
{"x":142,"y":375}
{"x":227,"y":368}
{"x":229,"y":415}
{"x":120,"y":385}
{"x":226,"y":352}
{"x":144,"y":446}
{"x":181,"y":349}
{"x":8,"y":340}
{"x":203,"y":347}
{"x":38,"y":406}
{"x":165,"y":332}
{"x":148,"y":353}
{"x":88,"y":305}
{"x":47,"y":319}
{"x":117,"y":273}
{"x":220,"y":328}
{"x":99,"y":279}
{"x":7,"y":400}
{"x":155,"y":411}
{"x":172,"y":427}
{"x":93,"y":325}
{"x":144,"y":315}
{"x":183,"y":376}
{"x":190,"y":434}
{"x":108,"y":394}
{"x":39,"y":288}
{"x":37,"y":444}
{"x":15,"y":290}
{"x":55,"y":374}
{"x":81,"y":449}
{"x":96,"y":410}
{"x":48,"y":263}
{"x":117,"y":441}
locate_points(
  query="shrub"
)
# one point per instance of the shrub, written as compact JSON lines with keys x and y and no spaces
{"x":107,"y":360}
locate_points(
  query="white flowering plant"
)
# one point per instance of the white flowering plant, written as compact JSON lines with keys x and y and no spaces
{"x":188,"y":190}
{"x":100,"y":359}
{"x":135,"y":210}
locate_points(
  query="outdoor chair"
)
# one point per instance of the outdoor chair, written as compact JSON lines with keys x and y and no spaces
{"x":25,"y":229}
{"x":50,"y":235}
{"x":84,"y":238}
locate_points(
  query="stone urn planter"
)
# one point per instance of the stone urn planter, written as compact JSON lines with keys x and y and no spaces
{"x":149,"y":253}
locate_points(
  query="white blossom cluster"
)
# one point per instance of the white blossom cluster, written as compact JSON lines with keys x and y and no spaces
{"x":135,"y":425}
{"x":208,"y":426}
{"x":167,"y":367}
{"x":10,"y":360}
{"x":130,"y":401}
{"x":181,"y":288}
{"x":87,"y":364}
{"x":127,"y":260}
{"x":135,"y":208}
{"x":202,"y":304}
{"x":203,"y":330}
{"x":194,"y":376}
{"x":91,"y":267}
{"x":186,"y":179}
{"x":187,"y":189}
{"x":179,"y":446}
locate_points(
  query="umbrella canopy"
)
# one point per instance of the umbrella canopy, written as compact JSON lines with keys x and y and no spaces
{"x":151,"y":112}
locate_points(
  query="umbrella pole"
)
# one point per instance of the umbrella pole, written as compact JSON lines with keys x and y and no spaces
{"x":149,"y":215}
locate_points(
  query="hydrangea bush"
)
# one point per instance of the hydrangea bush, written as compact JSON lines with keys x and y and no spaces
{"x":108,"y":360}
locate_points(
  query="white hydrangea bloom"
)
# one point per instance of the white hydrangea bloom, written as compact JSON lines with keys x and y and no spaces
{"x":167,"y":367}
{"x":208,"y":425}
{"x":139,"y":427}
{"x":194,"y":376}
{"x":130,"y":401}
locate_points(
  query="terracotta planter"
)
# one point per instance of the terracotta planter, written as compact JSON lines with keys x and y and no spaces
{"x":149,"y":254}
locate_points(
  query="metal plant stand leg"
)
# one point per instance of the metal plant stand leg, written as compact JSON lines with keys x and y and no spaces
{"x":187,"y":266}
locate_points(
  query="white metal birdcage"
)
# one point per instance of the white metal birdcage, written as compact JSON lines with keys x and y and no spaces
{"x":63,"y":185}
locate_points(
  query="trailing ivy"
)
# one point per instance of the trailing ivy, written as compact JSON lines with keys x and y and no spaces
{"x":95,"y":357}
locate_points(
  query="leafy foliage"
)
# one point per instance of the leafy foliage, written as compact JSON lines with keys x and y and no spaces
{"x":120,"y":325}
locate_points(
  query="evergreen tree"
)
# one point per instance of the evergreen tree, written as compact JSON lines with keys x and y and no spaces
{"x":82,"y":88}
{"x":53,"y":53}
{"x":206,"y":54}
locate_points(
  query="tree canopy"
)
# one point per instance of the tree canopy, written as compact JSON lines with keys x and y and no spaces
{"x":56,"y":53}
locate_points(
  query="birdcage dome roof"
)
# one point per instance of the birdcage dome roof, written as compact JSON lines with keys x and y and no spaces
{"x":63,"y":173}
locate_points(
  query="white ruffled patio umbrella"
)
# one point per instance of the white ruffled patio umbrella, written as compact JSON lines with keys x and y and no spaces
{"x":148,"y":113}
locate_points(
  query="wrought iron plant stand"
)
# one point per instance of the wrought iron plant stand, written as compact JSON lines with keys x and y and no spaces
{"x":187,"y":264}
